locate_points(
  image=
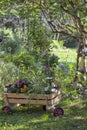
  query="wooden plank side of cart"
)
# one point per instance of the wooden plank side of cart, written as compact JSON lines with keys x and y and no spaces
{"x":32,"y":96}
{"x":41,"y":99}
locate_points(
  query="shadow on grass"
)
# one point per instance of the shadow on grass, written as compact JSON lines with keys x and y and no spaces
{"x":34,"y":118}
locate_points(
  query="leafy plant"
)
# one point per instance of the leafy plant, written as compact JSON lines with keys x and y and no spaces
{"x":11,"y":42}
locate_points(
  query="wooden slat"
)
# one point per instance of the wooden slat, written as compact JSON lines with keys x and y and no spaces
{"x":32,"y":96}
{"x":39,"y":102}
{"x":24,"y":101}
{"x":27,"y":101}
{"x":41,"y":99}
{"x":55,"y":100}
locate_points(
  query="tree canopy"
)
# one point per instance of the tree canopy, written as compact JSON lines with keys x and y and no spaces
{"x":68,"y":17}
{"x":63,"y":16}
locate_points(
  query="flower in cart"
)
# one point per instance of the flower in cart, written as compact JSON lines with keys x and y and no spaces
{"x":7,"y":87}
{"x":16,"y":83}
{"x":22,"y":85}
{"x":18,"y":86}
{"x":19,"y":83}
{"x":10,"y":88}
{"x":23,"y":88}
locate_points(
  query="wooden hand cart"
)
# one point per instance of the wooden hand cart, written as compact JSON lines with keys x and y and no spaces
{"x":48,"y":101}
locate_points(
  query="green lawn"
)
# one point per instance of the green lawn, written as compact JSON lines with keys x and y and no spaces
{"x":66,"y":56}
{"x":34,"y":118}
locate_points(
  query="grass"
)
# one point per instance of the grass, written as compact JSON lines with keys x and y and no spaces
{"x":66,"y":56}
{"x":34,"y":118}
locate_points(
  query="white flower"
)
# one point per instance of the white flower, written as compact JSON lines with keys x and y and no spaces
{"x":48,"y":77}
{"x":54,"y":90}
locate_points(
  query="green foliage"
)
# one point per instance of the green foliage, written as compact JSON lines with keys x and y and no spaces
{"x":70,"y":43}
{"x":57,"y":44}
{"x":38,"y":34}
{"x":34,"y":71}
{"x":24,"y":58}
{"x":11,"y":42}
{"x":8,"y":72}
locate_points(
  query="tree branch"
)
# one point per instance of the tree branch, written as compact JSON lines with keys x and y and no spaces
{"x":65,"y":32}
{"x":76,"y":19}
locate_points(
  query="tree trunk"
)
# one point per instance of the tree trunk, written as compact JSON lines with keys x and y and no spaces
{"x":81,"y":65}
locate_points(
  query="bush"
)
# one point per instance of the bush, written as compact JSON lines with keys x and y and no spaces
{"x":71,"y":43}
{"x":11,"y":42}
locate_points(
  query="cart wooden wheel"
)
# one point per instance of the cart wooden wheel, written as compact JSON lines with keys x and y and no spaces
{"x":6,"y":109}
{"x":58,"y":111}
